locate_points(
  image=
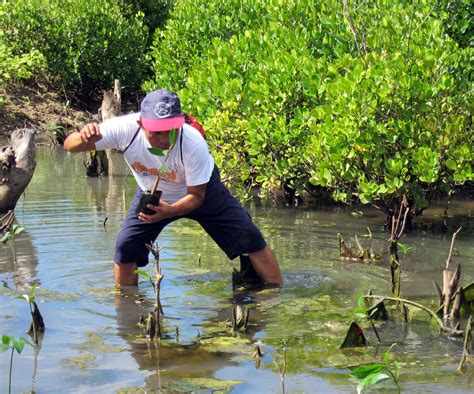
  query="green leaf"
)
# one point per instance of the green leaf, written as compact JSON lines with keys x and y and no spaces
{"x":374,"y":379}
{"x":6,"y":339}
{"x":4,"y":347}
{"x":362,"y":372}
{"x":451,"y":164}
{"x":143,"y":273}
{"x":387,"y":354}
{"x":397,"y":370}
{"x":403,"y":248}
{"x":20,"y":344}
{"x":16,"y":229}
{"x":6,"y":237}
{"x":361,"y":301}
{"x":172,"y":137}
{"x":156,"y":151}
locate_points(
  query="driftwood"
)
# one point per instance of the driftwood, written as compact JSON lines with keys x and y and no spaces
{"x":17,"y":161}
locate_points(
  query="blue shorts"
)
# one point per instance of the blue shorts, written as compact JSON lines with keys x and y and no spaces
{"x":221,"y":215}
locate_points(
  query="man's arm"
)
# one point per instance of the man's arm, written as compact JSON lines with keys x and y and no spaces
{"x":194,"y":199}
{"x":83,"y":140}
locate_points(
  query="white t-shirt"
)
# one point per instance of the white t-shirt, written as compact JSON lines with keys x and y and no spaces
{"x":198,"y":163}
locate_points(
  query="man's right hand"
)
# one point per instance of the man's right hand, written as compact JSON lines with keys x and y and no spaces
{"x":90,"y":132}
{"x":83,"y":140}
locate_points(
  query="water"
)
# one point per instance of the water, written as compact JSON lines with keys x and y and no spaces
{"x":93,"y":344}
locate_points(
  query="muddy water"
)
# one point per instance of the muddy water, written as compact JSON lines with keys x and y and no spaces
{"x":93,"y":344}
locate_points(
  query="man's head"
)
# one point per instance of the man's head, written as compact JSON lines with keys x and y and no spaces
{"x":160,"y":112}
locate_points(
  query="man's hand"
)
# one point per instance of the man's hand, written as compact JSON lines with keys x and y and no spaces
{"x":191,"y":201}
{"x":90,"y":133}
{"x":162,"y":211}
{"x":84,"y":140}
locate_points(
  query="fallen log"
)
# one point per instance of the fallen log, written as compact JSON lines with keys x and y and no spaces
{"x":17,"y":165}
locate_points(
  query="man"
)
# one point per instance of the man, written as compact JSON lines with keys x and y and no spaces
{"x":190,"y":184}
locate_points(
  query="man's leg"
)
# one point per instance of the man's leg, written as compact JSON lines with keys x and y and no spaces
{"x":266,"y":266}
{"x":130,"y":247}
{"x":125,"y":275}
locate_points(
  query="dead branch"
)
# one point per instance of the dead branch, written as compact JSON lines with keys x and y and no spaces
{"x":450,"y":285}
{"x":448,"y":260}
{"x":466,"y":354}
{"x":449,"y":331}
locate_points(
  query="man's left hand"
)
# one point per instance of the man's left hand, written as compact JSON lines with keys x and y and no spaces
{"x":162,"y":211}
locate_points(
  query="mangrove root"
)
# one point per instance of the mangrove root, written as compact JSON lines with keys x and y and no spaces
{"x":37,"y":323}
{"x":466,"y":354}
{"x":356,"y":252}
{"x":240,"y":318}
{"x":450,"y":284}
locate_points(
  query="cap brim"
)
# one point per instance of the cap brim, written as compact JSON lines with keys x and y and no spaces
{"x":162,"y":124}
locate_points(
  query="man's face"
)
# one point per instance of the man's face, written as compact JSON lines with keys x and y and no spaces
{"x":158,"y":139}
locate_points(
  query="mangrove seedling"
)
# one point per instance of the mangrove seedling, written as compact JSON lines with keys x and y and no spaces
{"x":10,"y":234}
{"x":363,"y":313}
{"x":282,"y":370}
{"x":153,"y":323}
{"x":37,"y":323}
{"x":398,"y":223}
{"x":9,"y":342}
{"x":154,"y":195}
{"x":374,"y":373}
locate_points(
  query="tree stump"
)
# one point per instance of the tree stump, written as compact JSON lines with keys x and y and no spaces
{"x":17,"y":161}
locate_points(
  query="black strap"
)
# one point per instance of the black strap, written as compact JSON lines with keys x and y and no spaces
{"x":133,"y":139}
{"x":181,"y":143}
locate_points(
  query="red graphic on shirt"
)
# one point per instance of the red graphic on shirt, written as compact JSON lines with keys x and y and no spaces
{"x":169,"y":176}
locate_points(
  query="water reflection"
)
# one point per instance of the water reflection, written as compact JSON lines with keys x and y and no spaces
{"x":23,"y":265}
{"x":167,"y":359}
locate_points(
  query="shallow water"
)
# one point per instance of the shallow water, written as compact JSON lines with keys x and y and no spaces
{"x":92,"y":342}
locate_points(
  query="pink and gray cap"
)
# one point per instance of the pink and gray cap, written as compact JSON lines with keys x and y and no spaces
{"x":160,"y":110}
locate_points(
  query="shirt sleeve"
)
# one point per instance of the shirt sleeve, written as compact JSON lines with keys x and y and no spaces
{"x":198,"y":166}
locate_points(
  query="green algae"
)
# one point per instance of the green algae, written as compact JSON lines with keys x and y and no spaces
{"x":82,"y":362}
{"x":195,"y":384}
{"x":96,"y":342}
{"x":226,"y":344}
